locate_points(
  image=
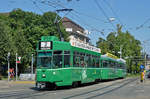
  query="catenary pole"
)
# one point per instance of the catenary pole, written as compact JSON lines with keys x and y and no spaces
{"x":8,"y":57}
{"x":32,"y":65}
{"x":16,"y":68}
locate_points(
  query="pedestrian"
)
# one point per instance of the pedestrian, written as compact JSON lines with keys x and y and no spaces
{"x":11,"y":71}
{"x":142,"y":76}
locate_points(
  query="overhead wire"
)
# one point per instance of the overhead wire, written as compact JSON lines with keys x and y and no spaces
{"x":142,"y":25}
{"x":59,"y":4}
{"x":90,"y":26}
{"x":102,"y":10}
{"x":114,"y":13}
{"x":79,"y":13}
{"x":37,"y":6}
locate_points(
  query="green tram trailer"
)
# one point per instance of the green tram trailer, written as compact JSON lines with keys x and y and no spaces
{"x":112,"y":68}
{"x":61,"y":64}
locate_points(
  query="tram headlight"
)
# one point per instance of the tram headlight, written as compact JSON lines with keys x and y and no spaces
{"x":43,"y":75}
{"x":54,"y":73}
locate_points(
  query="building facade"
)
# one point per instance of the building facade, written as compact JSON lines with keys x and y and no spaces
{"x":76,"y":32}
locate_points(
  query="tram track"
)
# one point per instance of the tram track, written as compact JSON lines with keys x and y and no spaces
{"x":99,"y":91}
{"x":103,"y":90}
{"x":21,"y":94}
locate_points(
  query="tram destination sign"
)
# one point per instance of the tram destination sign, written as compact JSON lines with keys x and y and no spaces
{"x":85,"y":46}
{"x":45,"y":45}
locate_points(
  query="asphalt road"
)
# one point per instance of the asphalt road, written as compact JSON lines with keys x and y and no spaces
{"x":130,"y":88}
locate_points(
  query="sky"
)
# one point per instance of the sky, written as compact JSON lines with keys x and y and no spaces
{"x":95,"y":15}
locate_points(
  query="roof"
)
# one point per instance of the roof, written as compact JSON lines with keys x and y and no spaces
{"x":65,"y":19}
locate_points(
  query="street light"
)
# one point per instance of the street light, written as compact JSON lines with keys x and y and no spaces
{"x":111,"y":19}
{"x":120,"y":52}
{"x":144,"y":50}
{"x":8,"y":58}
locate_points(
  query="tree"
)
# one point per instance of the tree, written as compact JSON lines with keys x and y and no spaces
{"x":125,"y":41}
{"x":20,"y":31}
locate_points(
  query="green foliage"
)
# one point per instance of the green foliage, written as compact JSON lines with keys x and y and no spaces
{"x":20,"y":31}
{"x":125,"y":41}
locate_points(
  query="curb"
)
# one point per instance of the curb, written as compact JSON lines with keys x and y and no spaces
{"x":23,"y":82}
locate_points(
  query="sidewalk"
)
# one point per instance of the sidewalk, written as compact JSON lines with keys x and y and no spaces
{"x":4,"y":84}
{"x":23,"y":82}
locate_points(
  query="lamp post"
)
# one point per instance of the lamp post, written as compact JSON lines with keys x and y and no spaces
{"x":144,"y":51}
{"x":16,"y":67}
{"x":32,"y":65}
{"x":8,"y":58}
{"x":120,"y":52}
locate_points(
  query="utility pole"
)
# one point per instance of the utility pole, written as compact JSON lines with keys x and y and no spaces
{"x":145,"y":59}
{"x":120,"y":51}
{"x":56,"y":21}
{"x":16,"y":67}
{"x":8,"y":58}
{"x":32,"y":64}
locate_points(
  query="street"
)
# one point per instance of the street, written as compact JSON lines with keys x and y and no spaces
{"x":129,"y":88}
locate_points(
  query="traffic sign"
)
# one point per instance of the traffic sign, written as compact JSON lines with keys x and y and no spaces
{"x":141,"y":67}
{"x":19,"y":58}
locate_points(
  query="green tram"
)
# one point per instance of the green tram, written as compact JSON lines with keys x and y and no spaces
{"x":112,"y":68}
{"x":62,"y":64}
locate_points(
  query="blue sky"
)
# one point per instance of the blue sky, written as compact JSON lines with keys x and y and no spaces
{"x":132,"y":14}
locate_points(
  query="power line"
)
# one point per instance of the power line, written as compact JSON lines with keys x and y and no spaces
{"x":84,"y":23}
{"x":55,"y":4}
{"x":99,"y":6}
{"x":145,"y":22}
{"x":92,"y":17}
{"x":114,"y":13}
{"x":93,"y":28}
{"x":37,"y":6}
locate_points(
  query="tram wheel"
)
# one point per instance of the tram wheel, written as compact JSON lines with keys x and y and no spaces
{"x":75,"y":84}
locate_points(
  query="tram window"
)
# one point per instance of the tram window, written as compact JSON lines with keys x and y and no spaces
{"x":122,"y":66}
{"x":119,"y":66}
{"x":115,"y":64}
{"x":101,"y":64}
{"x":89,"y":61}
{"x":111,"y":64}
{"x":58,"y":52}
{"x":97,"y":62}
{"x":66,"y":52}
{"x":76,"y":59}
{"x":66,"y":58}
{"x":105,"y":64}
{"x":82,"y":61}
{"x":57,"y":59}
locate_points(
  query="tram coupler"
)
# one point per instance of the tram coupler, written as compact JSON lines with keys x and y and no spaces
{"x":40,"y":85}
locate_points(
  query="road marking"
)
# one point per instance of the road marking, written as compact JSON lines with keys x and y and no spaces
{"x":139,"y":91}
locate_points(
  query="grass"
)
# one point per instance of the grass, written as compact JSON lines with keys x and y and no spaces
{"x":133,"y":75}
{"x":3,"y":77}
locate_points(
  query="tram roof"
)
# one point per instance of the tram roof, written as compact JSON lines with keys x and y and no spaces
{"x":104,"y":57}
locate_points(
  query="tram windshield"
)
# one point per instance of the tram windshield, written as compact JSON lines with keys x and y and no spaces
{"x":44,"y":62}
